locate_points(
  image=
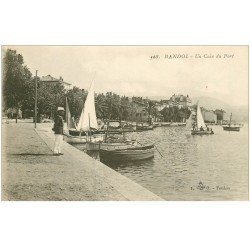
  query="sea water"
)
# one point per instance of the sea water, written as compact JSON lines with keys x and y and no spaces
{"x":192,"y":167}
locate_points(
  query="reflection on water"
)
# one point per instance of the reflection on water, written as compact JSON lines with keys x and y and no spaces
{"x":208,"y":167}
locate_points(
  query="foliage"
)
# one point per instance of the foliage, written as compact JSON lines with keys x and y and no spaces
{"x":76,"y":98}
{"x":49,"y":97}
{"x":174,"y":114}
{"x":17,"y":80}
{"x":19,"y":92}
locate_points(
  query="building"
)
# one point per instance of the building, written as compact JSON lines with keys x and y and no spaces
{"x":209,"y":116}
{"x":50,"y":79}
{"x":160,"y":106}
{"x":220,"y":115}
{"x":180,"y":101}
{"x":140,"y":113}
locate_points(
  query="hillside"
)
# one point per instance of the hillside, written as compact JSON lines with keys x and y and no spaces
{"x":240,"y":113}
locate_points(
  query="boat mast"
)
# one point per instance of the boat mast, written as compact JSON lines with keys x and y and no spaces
{"x":230,"y":120}
{"x":89,"y":128}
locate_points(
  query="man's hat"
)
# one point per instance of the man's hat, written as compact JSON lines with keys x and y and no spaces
{"x":60,"y":109}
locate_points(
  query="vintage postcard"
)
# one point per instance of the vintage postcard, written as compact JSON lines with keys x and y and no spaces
{"x":136,"y":123}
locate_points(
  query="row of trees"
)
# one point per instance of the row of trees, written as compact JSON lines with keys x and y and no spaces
{"x":175,"y":114}
{"x":19,"y":93}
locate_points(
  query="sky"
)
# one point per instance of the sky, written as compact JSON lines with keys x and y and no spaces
{"x":220,"y":72}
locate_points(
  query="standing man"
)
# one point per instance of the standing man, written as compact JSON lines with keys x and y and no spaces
{"x":58,"y":129}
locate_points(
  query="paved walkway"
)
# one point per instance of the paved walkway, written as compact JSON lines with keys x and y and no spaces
{"x":31,"y":172}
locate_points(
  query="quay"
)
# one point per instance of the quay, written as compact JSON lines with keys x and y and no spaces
{"x":30,"y":171}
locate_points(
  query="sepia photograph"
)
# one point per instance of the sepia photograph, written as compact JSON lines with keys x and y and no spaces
{"x":125,"y":123}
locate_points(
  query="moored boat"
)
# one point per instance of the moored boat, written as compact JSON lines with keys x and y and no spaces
{"x":143,"y":127}
{"x":165,"y":124}
{"x":87,"y":125}
{"x":232,"y":127}
{"x":173,"y":124}
{"x":130,"y":154}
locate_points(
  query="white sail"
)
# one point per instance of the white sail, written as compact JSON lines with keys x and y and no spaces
{"x":199,"y":117}
{"x":88,"y":118}
{"x":69,"y":120}
{"x":190,"y":121}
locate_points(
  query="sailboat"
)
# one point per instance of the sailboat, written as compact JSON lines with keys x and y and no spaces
{"x":70,"y":124}
{"x":200,"y":127}
{"x":87,"y":122}
{"x":231,"y":127}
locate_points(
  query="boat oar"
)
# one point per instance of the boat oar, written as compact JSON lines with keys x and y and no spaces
{"x":155,"y":148}
{"x":158,"y":151}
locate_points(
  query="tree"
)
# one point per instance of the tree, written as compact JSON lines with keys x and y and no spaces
{"x":49,"y":97}
{"x":101,"y":106}
{"x":76,"y":98}
{"x":16,"y":81}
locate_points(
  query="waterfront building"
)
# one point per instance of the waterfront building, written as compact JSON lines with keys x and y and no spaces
{"x":209,"y":116}
{"x":160,"y":106}
{"x":50,"y":79}
{"x":180,"y":101}
{"x":140,"y":113}
{"x":220,"y":115}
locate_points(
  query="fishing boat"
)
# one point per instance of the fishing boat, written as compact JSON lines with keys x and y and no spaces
{"x":156,"y":124}
{"x":87,"y":127}
{"x":109,"y":145}
{"x":128,"y":127}
{"x":110,"y":141}
{"x":130,"y":154}
{"x":199,"y":128}
{"x":173,"y":124}
{"x":232,"y":127}
{"x":143,"y":127}
{"x":115,"y":148}
{"x":165,"y":124}
{"x":181,"y":123}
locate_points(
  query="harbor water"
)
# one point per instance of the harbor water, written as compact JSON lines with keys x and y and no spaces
{"x":208,"y":167}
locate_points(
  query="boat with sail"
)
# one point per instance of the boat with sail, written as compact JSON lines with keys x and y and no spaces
{"x":112,"y":139}
{"x":87,"y":127}
{"x":199,"y":127}
{"x":117,"y":147}
{"x":231,"y":126}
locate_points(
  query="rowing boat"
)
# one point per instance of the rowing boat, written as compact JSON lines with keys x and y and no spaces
{"x":130,"y":154}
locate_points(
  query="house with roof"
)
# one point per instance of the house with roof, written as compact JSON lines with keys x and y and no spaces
{"x":209,"y":116}
{"x":51,"y":79}
{"x":180,"y":101}
{"x":140,"y":113}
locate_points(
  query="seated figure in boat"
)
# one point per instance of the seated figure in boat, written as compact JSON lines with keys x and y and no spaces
{"x":201,"y":128}
{"x":194,"y":126}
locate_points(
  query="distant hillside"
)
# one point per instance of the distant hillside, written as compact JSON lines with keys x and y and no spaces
{"x":239,"y":113}
{"x":210,"y":103}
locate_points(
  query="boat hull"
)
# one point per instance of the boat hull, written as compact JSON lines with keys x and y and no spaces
{"x":139,"y":128}
{"x":74,"y":132}
{"x":81,"y":139}
{"x":130,"y":154}
{"x":237,"y":129}
{"x":197,"y":132}
{"x":165,"y":124}
{"x":96,"y":146}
